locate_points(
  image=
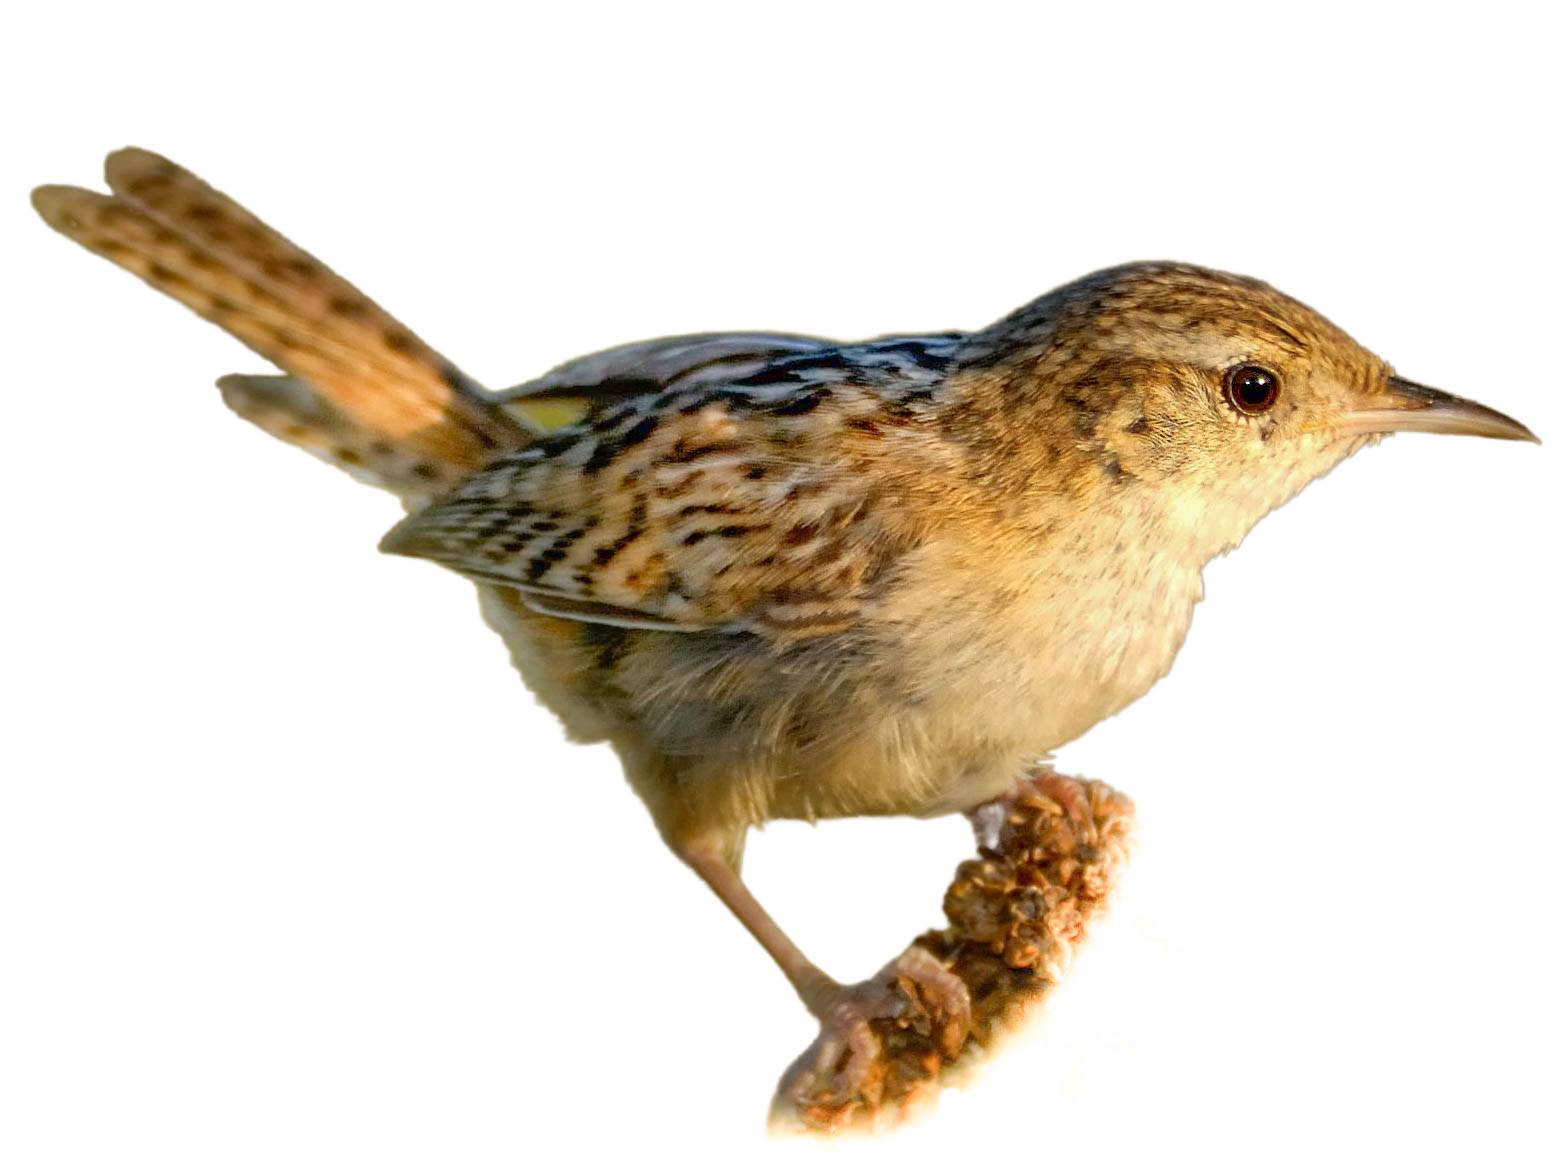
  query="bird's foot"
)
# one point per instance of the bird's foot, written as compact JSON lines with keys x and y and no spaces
{"x":1073,"y":797}
{"x":1051,"y":849}
{"x":1072,"y":794}
{"x":846,"y":1071}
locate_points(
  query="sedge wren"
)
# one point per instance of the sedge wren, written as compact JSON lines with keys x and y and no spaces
{"x":789,"y":577}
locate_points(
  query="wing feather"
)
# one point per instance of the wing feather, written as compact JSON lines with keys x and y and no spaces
{"x":756,"y":506}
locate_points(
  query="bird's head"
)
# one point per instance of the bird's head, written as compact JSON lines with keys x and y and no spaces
{"x":1211,"y":397}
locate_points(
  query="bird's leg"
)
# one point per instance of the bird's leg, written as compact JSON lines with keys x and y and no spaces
{"x":915,"y":986}
{"x":814,"y":985}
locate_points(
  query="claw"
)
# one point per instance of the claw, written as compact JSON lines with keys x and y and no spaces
{"x":1067,"y":792}
{"x":844,"y":1071}
{"x":1070,"y":793}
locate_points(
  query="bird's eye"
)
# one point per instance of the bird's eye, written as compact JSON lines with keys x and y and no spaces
{"x":1251,"y":390}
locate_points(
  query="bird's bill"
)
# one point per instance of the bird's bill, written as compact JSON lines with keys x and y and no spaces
{"x":1412,"y":407}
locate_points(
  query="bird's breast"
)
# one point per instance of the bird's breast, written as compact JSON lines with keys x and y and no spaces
{"x":1022,"y":659}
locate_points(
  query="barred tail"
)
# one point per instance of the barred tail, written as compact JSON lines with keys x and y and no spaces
{"x":367,"y":393}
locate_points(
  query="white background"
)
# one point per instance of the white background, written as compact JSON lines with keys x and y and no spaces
{"x":294,"y":876}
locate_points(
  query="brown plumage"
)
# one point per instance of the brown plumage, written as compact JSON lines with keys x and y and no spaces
{"x":201,"y":248}
{"x":786,"y":577}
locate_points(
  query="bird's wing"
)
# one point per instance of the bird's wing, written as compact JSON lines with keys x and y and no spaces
{"x":566,"y":394}
{"x":655,"y":365}
{"x":755,"y":506}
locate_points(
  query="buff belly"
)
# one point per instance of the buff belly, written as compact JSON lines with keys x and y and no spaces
{"x":719,"y":732}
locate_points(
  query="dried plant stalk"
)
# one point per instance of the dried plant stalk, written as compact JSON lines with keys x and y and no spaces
{"x":1048,"y":858}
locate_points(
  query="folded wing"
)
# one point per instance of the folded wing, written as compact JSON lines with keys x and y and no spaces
{"x":756,"y":506}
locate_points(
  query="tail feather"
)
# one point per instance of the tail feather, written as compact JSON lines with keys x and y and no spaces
{"x":291,"y":410}
{"x":202,"y":249}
